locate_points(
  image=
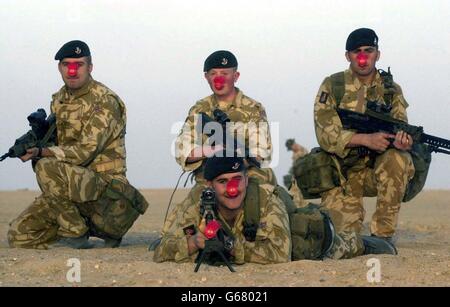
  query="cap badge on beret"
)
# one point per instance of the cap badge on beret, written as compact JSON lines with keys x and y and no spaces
{"x":218,"y":165}
{"x":220,"y":59}
{"x":73,"y":49}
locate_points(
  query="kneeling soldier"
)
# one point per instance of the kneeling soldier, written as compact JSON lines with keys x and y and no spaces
{"x":84,"y":188}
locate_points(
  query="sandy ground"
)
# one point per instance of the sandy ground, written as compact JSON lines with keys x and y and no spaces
{"x":423,"y":260}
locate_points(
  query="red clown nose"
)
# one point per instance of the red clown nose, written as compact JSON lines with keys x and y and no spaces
{"x":211,"y":229}
{"x":219,"y":82}
{"x":362,"y":59}
{"x":72,"y":69}
{"x":232,"y":187}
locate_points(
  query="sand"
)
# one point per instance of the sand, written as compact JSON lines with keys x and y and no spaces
{"x":423,"y":260}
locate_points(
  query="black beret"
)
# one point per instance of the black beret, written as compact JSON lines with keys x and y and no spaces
{"x":220,"y":59}
{"x":361,"y":37}
{"x":73,"y":49}
{"x":216,"y":166}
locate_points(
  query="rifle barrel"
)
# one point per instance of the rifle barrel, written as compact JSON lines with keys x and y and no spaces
{"x":435,"y":141}
{"x":440,"y":150}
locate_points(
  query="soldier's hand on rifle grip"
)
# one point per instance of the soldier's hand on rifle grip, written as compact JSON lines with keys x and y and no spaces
{"x":31,"y":153}
{"x":378,"y":141}
{"x":196,"y":242}
{"x":403,"y":141}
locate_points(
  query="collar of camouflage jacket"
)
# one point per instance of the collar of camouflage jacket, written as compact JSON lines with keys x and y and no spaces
{"x":238,"y":227}
{"x":237,"y":101}
{"x":350,"y":77}
{"x":70,"y":94}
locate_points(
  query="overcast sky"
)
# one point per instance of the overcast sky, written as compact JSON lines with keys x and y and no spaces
{"x":151,"y":54}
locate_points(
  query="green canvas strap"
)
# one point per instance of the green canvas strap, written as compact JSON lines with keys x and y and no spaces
{"x":338,"y":86}
{"x":251,"y":210}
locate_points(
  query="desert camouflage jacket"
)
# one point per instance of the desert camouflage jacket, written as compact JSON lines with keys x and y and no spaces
{"x":329,"y":131}
{"x":91,"y":128}
{"x":250,"y":122}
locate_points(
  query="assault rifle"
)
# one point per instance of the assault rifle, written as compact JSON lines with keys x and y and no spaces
{"x":377,"y":119}
{"x":222,"y":119}
{"x":42,"y":133}
{"x":217,"y":243}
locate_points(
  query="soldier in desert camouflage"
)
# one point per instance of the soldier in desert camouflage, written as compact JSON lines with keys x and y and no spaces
{"x":183,"y":234}
{"x":183,"y":237}
{"x":88,"y":160}
{"x":298,"y":150}
{"x":248,"y":116}
{"x":384,"y":175}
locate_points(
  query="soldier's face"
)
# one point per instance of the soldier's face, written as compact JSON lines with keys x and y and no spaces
{"x":363,"y":60}
{"x":221,"y":80}
{"x":296,"y":147}
{"x":75,"y":72}
{"x":226,"y":201}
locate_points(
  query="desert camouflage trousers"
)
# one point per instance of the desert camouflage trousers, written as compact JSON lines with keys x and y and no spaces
{"x":55,"y":213}
{"x":387,"y":180}
{"x":346,"y":245}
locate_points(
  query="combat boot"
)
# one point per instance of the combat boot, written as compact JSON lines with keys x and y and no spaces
{"x":77,"y":243}
{"x":376,"y":245}
{"x":112,"y":243}
{"x":154,"y":244}
{"x":391,"y":240}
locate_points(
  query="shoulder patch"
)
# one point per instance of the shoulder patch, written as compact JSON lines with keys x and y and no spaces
{"x":323,"y":97}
